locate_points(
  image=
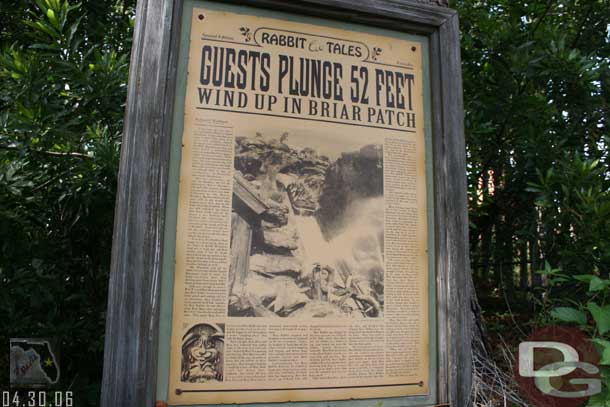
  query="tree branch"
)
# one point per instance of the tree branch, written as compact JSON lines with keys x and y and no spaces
{"x":549,"y":4}
{"x":52,"y":153}
{"x":582,"y":26}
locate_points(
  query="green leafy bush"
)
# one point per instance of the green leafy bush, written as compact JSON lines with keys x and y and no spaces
{"x":63,"y":87}
{"x":573,"y":202}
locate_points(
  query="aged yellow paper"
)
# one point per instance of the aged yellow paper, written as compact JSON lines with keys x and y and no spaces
{"x":301,"y":249}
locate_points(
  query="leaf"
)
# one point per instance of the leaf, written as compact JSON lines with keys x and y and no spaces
{"x":73,"y":29}
{"x":568,"y":314}
{"x":47,"y":29}
{"x":604,"y":349}
{"x":601,"y":315}
{"x":598,"y":400}
{"x":601,"y":342}
{"x":597,"y":284}
{"x":550,"y":271}
{"x":605,"y":357}
{"x":584,"y":277}
{"x":42,"y":6}
{"x":52,"y":47}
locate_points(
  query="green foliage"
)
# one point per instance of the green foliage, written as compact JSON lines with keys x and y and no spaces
{"x":592,"y":315}
{"x":63,"y":81}
{"x":573,"y":202}
{"x":567,"y":314}
{"x":537,"y":101}
{"x":573,"y":205}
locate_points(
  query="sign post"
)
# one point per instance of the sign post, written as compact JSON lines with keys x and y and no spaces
{"x":291,"y":221}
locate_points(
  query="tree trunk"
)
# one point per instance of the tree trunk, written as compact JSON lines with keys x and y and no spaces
{"x":523,"y":269}
{"x":534,"y":256}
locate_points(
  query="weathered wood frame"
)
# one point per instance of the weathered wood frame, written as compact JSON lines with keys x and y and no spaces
{"x":131,"y":342}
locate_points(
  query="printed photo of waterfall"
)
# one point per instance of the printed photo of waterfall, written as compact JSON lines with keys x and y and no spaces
{"x":307,"y":227}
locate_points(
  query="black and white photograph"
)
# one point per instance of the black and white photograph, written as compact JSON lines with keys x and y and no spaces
{"x":307,"y":226}
{"x":203,"y":353}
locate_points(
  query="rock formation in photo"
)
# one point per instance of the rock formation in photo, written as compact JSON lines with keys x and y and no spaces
{"x":283,"y":199}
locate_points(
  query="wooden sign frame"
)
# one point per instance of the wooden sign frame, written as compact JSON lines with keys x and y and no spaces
{"x":132,"y":332}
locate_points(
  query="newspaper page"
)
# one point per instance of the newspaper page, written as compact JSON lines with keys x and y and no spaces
{"x":301,"y":267}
